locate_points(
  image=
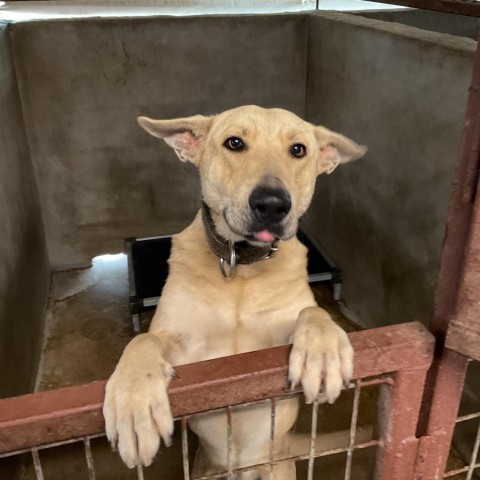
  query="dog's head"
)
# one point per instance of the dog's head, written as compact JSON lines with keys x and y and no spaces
{"x":257,"y":166}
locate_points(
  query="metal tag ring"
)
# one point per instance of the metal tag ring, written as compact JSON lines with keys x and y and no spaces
{"x":229,"y":273}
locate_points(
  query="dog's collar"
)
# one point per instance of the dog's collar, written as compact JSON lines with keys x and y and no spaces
{"x":232,"y":254}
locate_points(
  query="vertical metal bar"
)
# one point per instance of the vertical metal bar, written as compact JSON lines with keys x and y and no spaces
{"x":398,"y":411}
{"x":186,"y":465}
{"x":473,"y":460}
{"x":37,"y":464}
{"x":442,"y":407}
{"x":89,"y":458}
{"x":229,"y":444}
{"x":272,"y":437}
{"x":140,"y":472}
{"x":445,"y":379}
{"x":313,"y":436}
{"x":353,"y":430}
{"x":463,"y":333}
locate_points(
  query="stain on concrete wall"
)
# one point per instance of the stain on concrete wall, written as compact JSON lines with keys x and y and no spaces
{"x":24,"y":271}
{"x":402,"y":92}
{"x":83,"y":83}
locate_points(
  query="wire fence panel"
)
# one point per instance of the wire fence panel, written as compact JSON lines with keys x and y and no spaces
{"x":464,"y":461}
{"x":395,"y":359}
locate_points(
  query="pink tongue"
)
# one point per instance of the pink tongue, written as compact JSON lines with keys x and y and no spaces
{"x":264,"y":236}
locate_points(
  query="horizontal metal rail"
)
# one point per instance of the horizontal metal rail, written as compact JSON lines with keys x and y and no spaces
{"x":76,"y":412}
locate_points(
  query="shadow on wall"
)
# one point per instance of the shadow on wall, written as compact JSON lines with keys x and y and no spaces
{"x":24,"y":270}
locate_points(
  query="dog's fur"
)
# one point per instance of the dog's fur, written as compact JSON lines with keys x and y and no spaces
{"x":268,"y":303}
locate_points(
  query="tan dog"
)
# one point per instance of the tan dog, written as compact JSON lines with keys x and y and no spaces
{"x":258,"y":169}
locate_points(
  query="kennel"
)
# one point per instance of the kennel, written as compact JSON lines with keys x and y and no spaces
{"x":326,"y":61}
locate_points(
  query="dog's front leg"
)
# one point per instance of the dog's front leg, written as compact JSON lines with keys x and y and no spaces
{"x":136,"y":409}
{"x":321,"y":358}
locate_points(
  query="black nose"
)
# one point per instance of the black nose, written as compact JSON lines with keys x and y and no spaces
{"x":270,"y":205}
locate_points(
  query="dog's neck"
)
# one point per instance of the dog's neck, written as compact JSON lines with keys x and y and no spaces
{"x":244,"y":252}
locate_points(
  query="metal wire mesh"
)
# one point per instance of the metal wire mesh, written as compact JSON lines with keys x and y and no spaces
{"x":466,"y":440}
{"x":309,"y":454}
{"x":392,"y":361}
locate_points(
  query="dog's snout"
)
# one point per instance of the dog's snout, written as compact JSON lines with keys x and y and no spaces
{"x":270,"y":205}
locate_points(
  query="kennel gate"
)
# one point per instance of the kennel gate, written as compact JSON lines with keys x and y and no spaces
{"x":397,"y":358}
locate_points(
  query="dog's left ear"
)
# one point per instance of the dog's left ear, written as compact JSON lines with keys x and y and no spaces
{"x":184,"y":135}
{"x":335,"y":149}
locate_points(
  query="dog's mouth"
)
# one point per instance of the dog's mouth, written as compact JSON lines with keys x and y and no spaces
{"x":258,"y":233}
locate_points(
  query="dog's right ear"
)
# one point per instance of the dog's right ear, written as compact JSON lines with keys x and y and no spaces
{"x":184,"y":135}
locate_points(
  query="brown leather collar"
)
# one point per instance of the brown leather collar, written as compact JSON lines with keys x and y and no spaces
{"x":244,"y":252}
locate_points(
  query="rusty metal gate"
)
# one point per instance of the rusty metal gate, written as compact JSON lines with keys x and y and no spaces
{"x":456,"y":318}
{"x":396,"y":358}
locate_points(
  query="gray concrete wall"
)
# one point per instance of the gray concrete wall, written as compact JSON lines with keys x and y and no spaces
{"x":459,"y":25}
{"x":83,"y":83}
{"x":402,"y":92}
{"x":24,"y":272}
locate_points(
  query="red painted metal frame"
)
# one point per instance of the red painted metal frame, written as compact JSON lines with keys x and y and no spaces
{"x":405,"y":351}
{"x":399,"y":408}
{"x":464,"y":331}
{"x":455,"y":322}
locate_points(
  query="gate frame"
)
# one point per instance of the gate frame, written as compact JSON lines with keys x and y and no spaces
{"x":397,"y":357}
{"x":455,"y":322}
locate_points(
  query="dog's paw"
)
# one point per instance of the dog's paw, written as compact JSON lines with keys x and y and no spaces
{"x":321,"y":358}
{"x":136,"y":408}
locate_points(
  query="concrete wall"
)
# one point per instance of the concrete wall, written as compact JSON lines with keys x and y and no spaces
{"x":459,"y":25}
{"x":24,"y":272}
{"x":83,"y":83}
{"x":402,"y":92}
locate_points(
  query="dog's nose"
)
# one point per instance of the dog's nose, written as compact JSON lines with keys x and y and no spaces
{"x":270,"y":205}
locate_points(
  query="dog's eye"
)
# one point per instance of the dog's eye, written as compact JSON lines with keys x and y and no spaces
{"x":234,"y":143}
{"x":298,"y":150}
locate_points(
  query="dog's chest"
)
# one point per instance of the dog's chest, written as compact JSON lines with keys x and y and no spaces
{"x":212,"y":317}
{"x":251,"y":315}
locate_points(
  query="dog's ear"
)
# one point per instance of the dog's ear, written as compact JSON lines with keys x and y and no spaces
{"x":335,"y":149}
{"x":184,"y":135}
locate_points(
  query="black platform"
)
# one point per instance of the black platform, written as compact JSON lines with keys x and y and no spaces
{"x":148,"y":270}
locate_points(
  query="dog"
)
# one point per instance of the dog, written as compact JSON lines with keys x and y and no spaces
{"x":237,"y":283}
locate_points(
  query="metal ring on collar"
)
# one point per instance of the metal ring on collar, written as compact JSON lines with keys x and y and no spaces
{"x":273,"y":251}
{"x":229,"y":273}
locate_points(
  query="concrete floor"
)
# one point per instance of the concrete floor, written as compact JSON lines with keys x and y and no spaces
{"x":88,"y":326}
